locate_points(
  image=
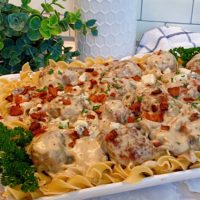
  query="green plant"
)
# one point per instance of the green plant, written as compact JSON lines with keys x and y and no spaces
{"x":28,"y":35}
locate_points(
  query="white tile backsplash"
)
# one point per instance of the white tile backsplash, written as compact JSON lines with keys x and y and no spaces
{"x":167,"y":10}
{"x":196,"y":12}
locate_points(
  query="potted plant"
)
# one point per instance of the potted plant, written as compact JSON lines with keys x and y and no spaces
{"x":116,"y":22}
{"x":29,"y":35}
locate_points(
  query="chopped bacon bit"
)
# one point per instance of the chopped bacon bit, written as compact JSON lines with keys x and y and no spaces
{"x":71,"y":144}
{"x":135,"y":108}
{"x":92,"y":83}
{"x":106,"y":64}
{"x":165,"y":128}
{"x":97,"y":98}
{"x":49,"y":98}
{"x":131,"y":119}
{"x":19,"y":99}
{"x":68,"y":88}
{"x":98,"y":112}
{"x":40,"y":116}
{"x":113,"y":94}
{"x":136,"y":78}
{"x":80,"y":83}
{"x":27,"y":89}
{"x":197,"y":71}
{"x":86,"y":132}
{"x":156,"y":143}
{"x":34,"y":126}
{"x":110,"y":137}
{"x":90,"y":116}
{"x":74,"y":135}
{"x":164,"y":106}
{"x":154,"y":108}
{"x":155,"y":117}
{"x":53,"y":91}
{"x":16,"y":110}
{"x":95,"y":73}
{"x":41,"y":95}
{"x":1,"y":117}
{"x":89,"y":69}
{"x":198,"y":88}
{"x":9,"y":98}
{"x":157,"y":91}
{"x":188,"y":99}
{"x":194,"y":117}
{"x":174,"y":91}
{"x":66,"y":101}
{"x":184,"y":129}
{"x":38,"y":131}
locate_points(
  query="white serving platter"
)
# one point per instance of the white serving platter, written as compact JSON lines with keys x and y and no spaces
{"x":115,"y":188}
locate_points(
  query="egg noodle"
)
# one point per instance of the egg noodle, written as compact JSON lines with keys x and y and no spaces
{"x":99,"y":173}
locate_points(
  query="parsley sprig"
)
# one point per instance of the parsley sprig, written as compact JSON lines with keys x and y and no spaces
{"x":15,"y":164}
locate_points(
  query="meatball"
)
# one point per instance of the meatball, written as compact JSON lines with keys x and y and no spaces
{"x":125,"y":69}
{"x":194,"y":63}
{"x":129,"y":144}
{"x":49,"y":151}
{"x":114,"y":110}
{"x":163,"y":61}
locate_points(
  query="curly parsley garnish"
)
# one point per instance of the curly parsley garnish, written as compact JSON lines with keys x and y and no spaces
{"x":15,"y":164}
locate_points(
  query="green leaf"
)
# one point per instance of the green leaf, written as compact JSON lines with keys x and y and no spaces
{"x":33,"y":35}
{"x":44,"y":24}
{"x":35,"y":22}
{"x":14,"y":61}
{"x":25,"y":2}
{"x":1,"y":45}
{"x":56,"y":30}
{"x":17,"y":21}
{"x":47,"y":7}
{"x":3,"y":1}
{"x":45,"y":33}
{"x":78,"y":25}
{"x":64,"y":25}
{"x":84,"y":29}
{"x":53,"y":20}
{"x":59,"y":5}
{"x":30,"y":10}
{"x":94,"y":31}
{"x":91,"y":23}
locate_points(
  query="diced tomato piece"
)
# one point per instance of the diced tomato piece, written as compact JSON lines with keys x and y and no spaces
{"x":174,"y":91}
{"x":165,"y":128}
{"x":74,"y":135}
{"x":9,"y":98}
{"x":111,"y":136}
{"x":66,"y":102}
{"x":131,"y":119}
{"x":136,"y":78}
{"x":42,"y":95}
{"x":1,"y":117}
{"x":27,"y":89}
{"x":71,"y":144}
{"x":53,"y":91}
{"x":40,"y":116}
{"x":155,"y":117}
{"x":16,"y":110}
{"x":89,"y":69}
{"x":80,"y":83}
{"x":90,"y":116}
